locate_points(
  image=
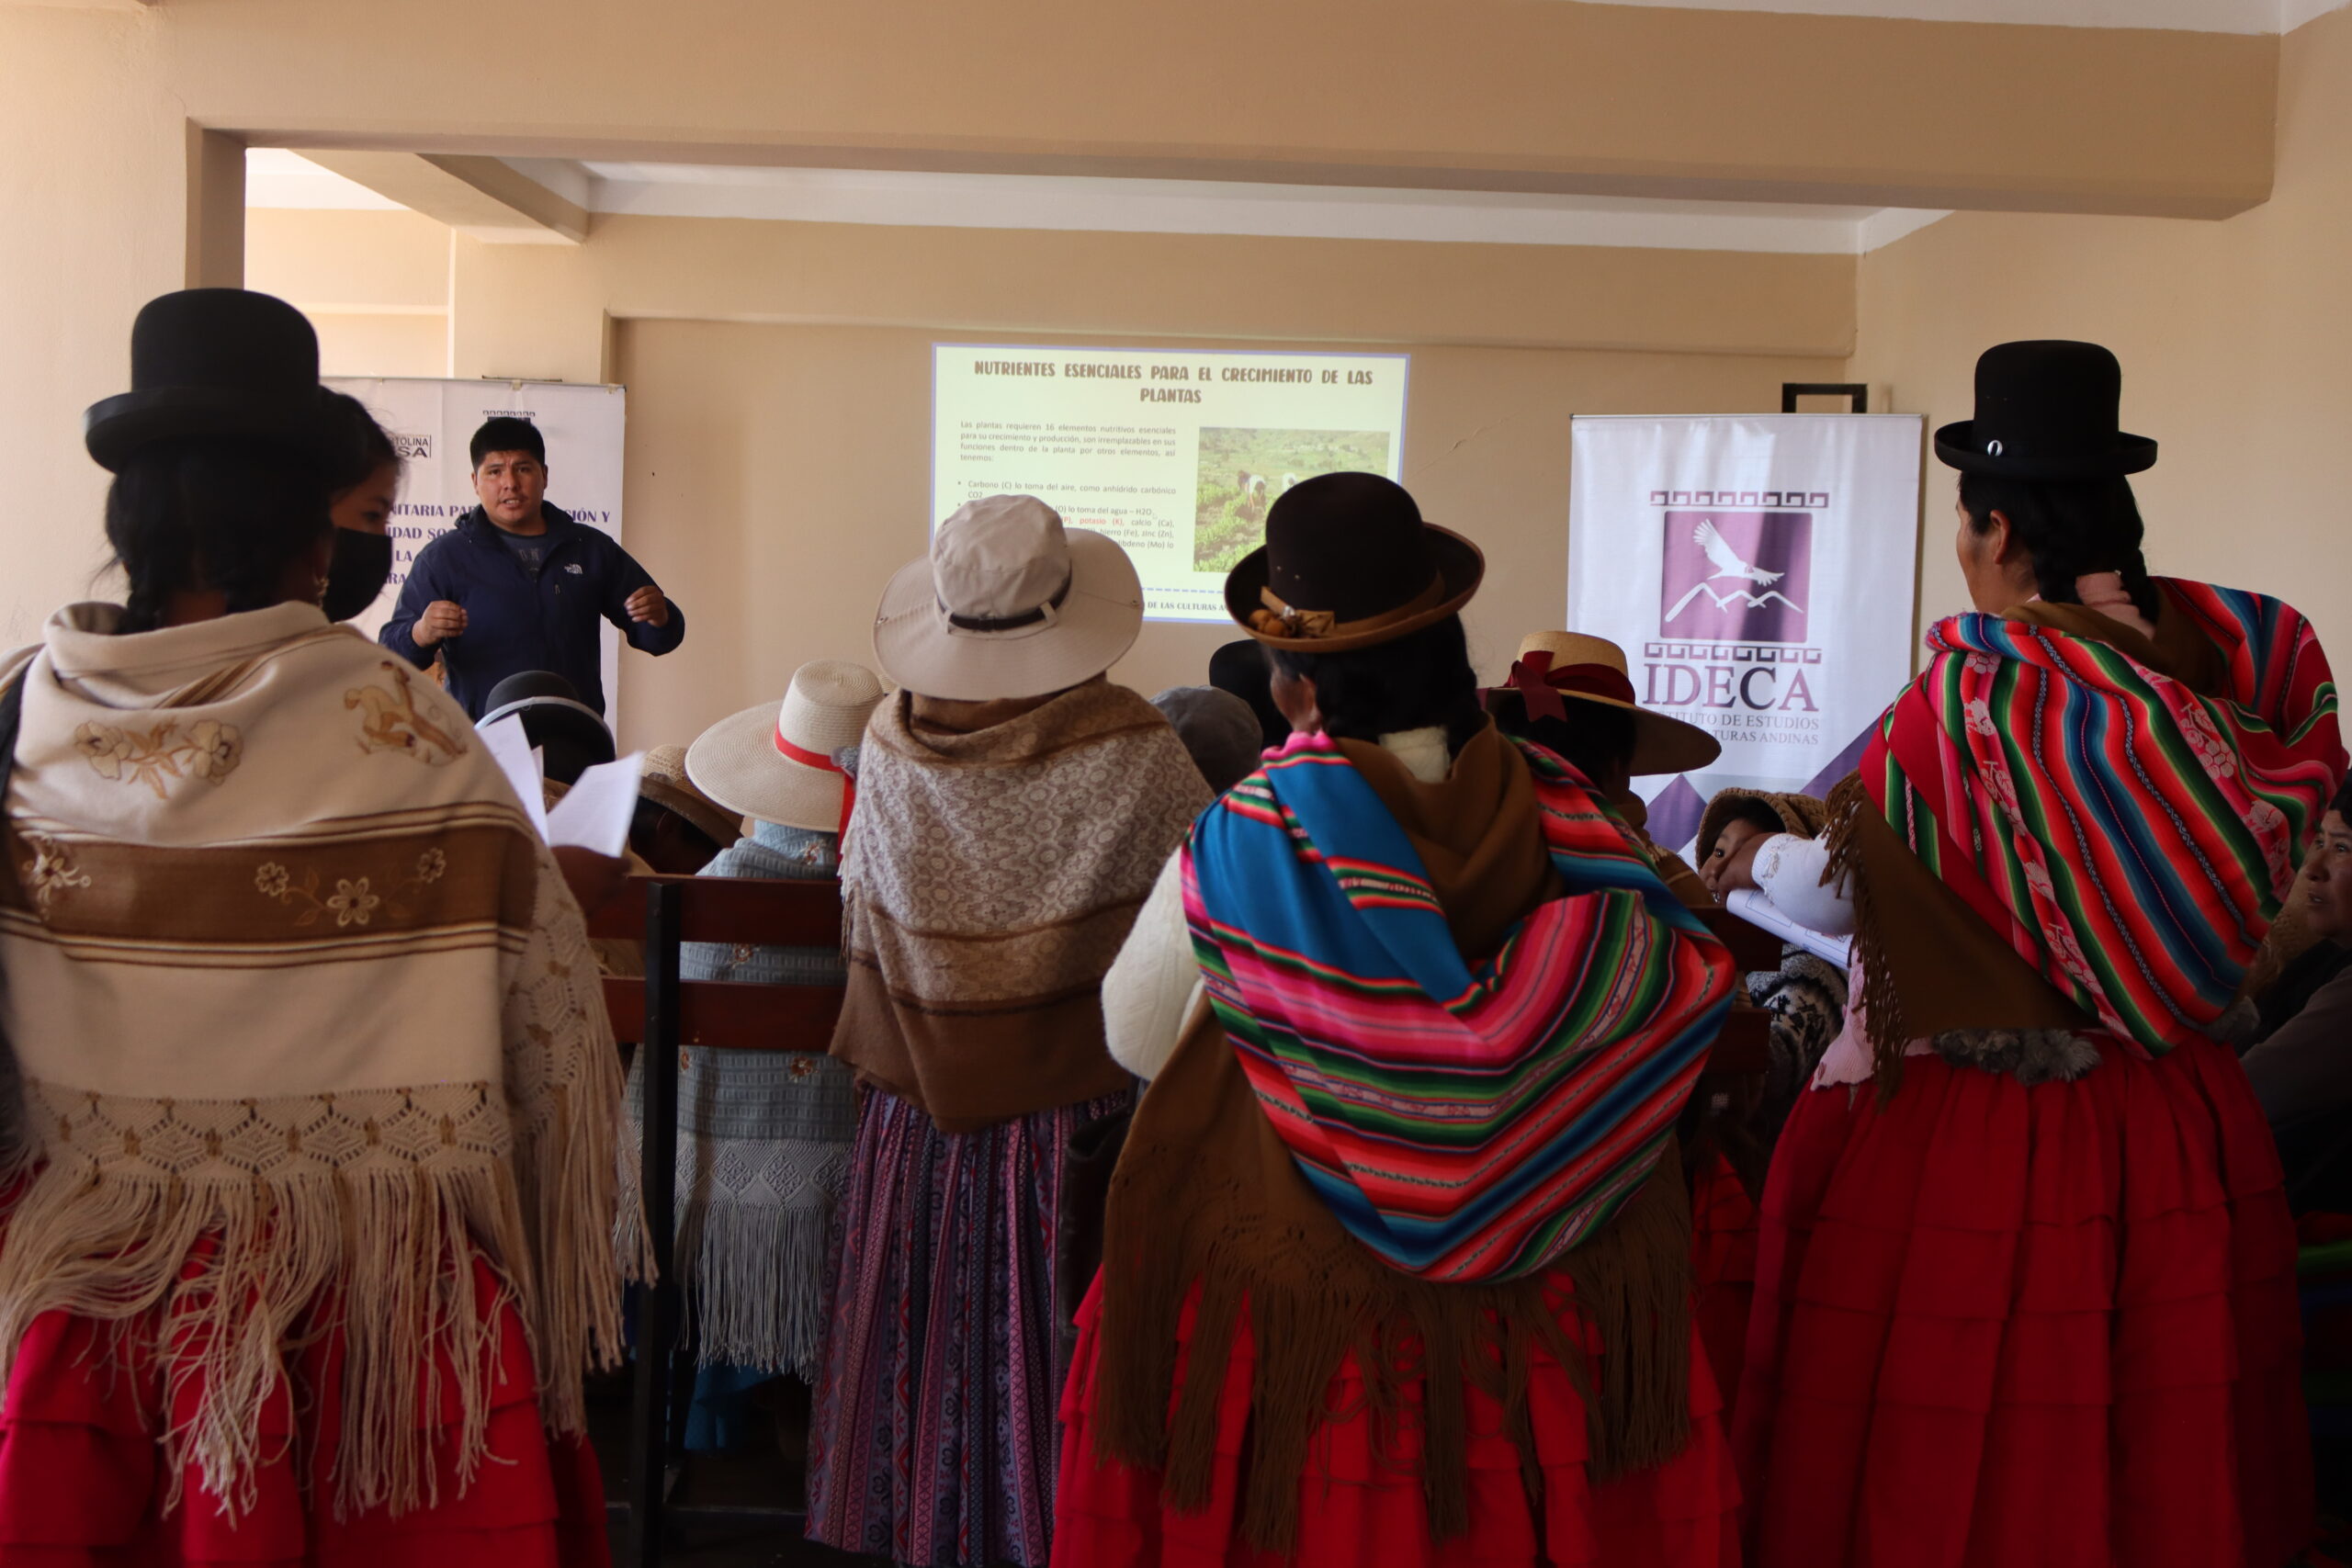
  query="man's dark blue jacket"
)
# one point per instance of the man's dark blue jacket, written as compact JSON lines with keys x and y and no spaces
{"x":514,"y":624}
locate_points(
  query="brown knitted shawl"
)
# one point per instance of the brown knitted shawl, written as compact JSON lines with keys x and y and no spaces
{"x":1209,"y":1200}
{"x":993,"y":866}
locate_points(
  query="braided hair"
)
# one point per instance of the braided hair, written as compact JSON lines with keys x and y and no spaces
{"x":211,"y":513}
{"x":2069,"y":531}
{"x":1420,"y":679}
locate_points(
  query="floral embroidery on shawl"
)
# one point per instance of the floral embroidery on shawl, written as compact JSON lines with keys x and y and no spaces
{"x":354,"y":901}
{"x":392,"y":722}
{"x":209,"y":751}
{"x":51,"y":871}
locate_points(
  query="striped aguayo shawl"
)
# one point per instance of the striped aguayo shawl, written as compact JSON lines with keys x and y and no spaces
{"x":1464,"y":1125}
{"x":2126,"y":813}
{"x":302,"y":1022}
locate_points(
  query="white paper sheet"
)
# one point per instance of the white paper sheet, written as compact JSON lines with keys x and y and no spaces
{"x":520,"y":762}
{"x":1762,"y":913}
{"x":597,"y":812}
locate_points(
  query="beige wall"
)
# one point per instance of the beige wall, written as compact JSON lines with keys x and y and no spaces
{"x":778,"y":475}
{"x":375,"y":284}
{"x":94,"y":190}
{"x":2235,"y":339}
{"x":780,"y":381}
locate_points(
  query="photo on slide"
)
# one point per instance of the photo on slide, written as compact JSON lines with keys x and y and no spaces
{"x":1242,"y":471}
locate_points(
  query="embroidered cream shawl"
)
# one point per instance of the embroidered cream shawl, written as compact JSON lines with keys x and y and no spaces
{"x":304,"y":1017}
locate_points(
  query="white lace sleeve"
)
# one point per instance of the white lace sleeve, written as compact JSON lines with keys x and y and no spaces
{"x":1789,"y":871}
{"x":563,"y":1093}
{"x":1150,"y":987}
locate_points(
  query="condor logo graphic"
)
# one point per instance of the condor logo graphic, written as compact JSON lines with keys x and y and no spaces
{"x":1733,"y":576}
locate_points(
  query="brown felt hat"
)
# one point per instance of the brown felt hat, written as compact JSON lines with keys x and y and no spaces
{"x":1349,"y":563}
{"x":665,"y":782}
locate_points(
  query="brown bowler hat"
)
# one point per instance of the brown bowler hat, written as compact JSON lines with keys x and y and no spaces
{"x":1348,"y":563}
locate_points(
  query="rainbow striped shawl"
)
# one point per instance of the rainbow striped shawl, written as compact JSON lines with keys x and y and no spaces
{"x":2130,"y":837}
{"x":1463,"y":1124}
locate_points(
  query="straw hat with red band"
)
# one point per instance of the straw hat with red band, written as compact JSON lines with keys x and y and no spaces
{"x":776,"y":761}
{"x":1555,"y":668}
{"x":1348,"y":563}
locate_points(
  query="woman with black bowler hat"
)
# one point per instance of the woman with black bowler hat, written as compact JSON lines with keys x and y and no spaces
{"x":307,"y":1163}
{"x":2026,"y":1290}
{"x":1397,"y":1261}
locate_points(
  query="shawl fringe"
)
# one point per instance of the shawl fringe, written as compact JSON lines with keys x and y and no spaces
{"x":744,"y":1269}
{"x":1850,"y":807}
{"x":1314,"y":1297}
{"x":239,"y":1271}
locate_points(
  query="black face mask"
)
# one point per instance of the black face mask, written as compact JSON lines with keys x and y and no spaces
{"x":361,"y":566}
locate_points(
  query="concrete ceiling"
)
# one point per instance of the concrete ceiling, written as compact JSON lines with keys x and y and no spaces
{"x":276,"y":178}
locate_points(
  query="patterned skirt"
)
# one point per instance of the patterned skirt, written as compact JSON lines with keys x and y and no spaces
{"x":2047,"y":1327}
{"x":934,"y":1441}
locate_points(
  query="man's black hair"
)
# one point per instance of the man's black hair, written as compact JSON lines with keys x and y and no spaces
{"x":504,"y":433}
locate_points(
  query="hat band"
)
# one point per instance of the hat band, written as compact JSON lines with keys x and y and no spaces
{"x":1009,"y":623}
{"x":822,"y":763}
{"x":1279,"y":619}
{"x":1541,"y":687}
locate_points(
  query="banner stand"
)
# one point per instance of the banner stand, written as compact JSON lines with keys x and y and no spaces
{"x":1759,"y":572}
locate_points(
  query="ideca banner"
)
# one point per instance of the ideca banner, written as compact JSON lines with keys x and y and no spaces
{"x":431,"y":423}
{"x":1757,"y":570}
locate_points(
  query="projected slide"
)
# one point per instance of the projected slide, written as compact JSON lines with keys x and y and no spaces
{"x":1176,"y":454}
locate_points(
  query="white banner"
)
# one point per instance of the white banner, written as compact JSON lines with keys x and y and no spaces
{"x":1757,"y":570}
{"x":1176,"y":454}
{"x":431,"y":423}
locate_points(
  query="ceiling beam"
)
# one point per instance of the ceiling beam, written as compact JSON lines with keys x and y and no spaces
{"x":1545,"y":95}
{"x":480,"y":198}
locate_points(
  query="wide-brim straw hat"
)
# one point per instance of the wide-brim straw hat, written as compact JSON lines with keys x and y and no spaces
{"x":1582,"y":669}
{"x":1008,"y":603}
{"x":775,"y":761}
{"x":1349,"y":563}
{"x":666,"y":782}
{"x":1802,"y":815}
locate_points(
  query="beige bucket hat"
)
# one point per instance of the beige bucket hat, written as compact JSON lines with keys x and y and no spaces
{"x":1008,"y":603}
{"x":775,"y":761}
{"x":1583,"y":669}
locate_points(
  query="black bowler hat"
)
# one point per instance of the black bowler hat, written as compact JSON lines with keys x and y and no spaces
{"x":571,"y":736}
{"x":2046,"y":409}
{"x":1348,"y":563}
{"x":218,"y":362}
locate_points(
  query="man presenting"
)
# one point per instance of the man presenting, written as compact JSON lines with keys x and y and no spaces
{"x":518,"y":585}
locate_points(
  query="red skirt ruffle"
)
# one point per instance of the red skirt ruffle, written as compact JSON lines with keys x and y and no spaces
{"x":1723,"y":1229}
{"x":82,"y":1482}
{"x":1361,"y":1505}
{"x":2052,"y":1327}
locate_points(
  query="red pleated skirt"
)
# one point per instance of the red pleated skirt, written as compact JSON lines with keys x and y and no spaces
{"x":2048,"y":1327}
{"x":1724,"y":1227}
{"x":82,"y":1482}
{"x":1361,"y":1505}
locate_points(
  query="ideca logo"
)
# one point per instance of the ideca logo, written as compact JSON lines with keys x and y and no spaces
{"x":1736,"y":576}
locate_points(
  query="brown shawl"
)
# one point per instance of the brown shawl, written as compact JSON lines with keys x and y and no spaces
{"x":1207,"y":1196}
{"x":996,"y":860}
